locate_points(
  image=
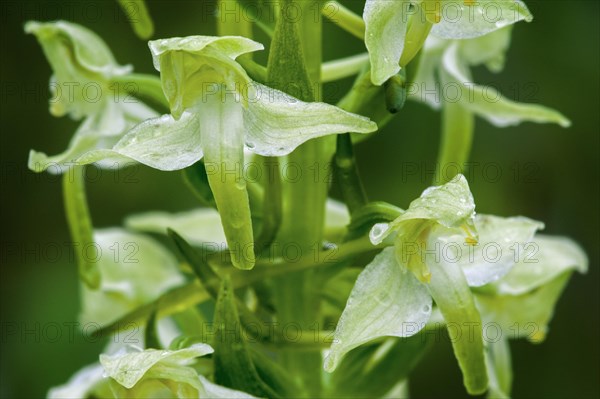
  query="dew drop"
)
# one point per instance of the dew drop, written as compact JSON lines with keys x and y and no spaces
{"x":426,"y":309}
{"x":378,"y":231}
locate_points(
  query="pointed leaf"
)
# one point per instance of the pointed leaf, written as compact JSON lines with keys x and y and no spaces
{"x":233,"y":365}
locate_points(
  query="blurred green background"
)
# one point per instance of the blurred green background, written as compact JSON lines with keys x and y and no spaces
{"x":547,"y":173}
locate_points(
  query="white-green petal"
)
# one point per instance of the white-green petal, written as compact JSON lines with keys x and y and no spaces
{"x":487,"y":102}
{"x":100,"y":130}
{"x":522,"y":316}
{"x":231,"y":46}
{"x":543,"y":260}
{"x":489,"y":49}
{"x":450,"y":205}
{"x":501,"y":241}
{"x":276,"y":123}
{"x":197,"y":226}
{"x":451,"y":293}
{"x":214,"y":391}
{"x":426,"y":87}
{"x":460,"y":20}
{"x":134,"y":269}
{"x":163,"y":143}
{"x":385,"y":31}
{"x":129,"y":367}
{"x":80,"y":385}
{"x":385,"y":301}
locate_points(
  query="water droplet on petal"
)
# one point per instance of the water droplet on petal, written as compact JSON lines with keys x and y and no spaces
{"x":378,"y":232}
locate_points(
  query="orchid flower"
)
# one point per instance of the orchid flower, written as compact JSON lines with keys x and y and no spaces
{"x":216,"y":110}
{"x":440,"y":250}
{"x":396,"y":30}
{"x":150,"y":373}
{"x":82,"y":87}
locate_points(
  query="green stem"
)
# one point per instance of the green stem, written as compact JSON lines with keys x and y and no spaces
{"x":457,"y":135}
{"x":80,"y":224}
{"x":143,"y":86}
{"x":261,"y":14}
{"x":362,"y":92}
{"x":256,"y":71}
{"x":194,"y":293}
{"x":344,"y":67}
{"x":344,"y":18}
{"x":304,"y":210}
{"x":352,"y":188}
{"x":139,"y":17}
{"x":230,"y":22}
{"x":272,"y":204}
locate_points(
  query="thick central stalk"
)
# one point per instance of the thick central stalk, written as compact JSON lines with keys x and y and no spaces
{"x":295,"y":67}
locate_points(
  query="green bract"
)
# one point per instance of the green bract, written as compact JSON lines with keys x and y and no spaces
{"x":429,"y":240}
{"x":216,"y":111}
{"x":396,"y":30}
{"x":81,"y":86}
{"x":134,"y":270}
